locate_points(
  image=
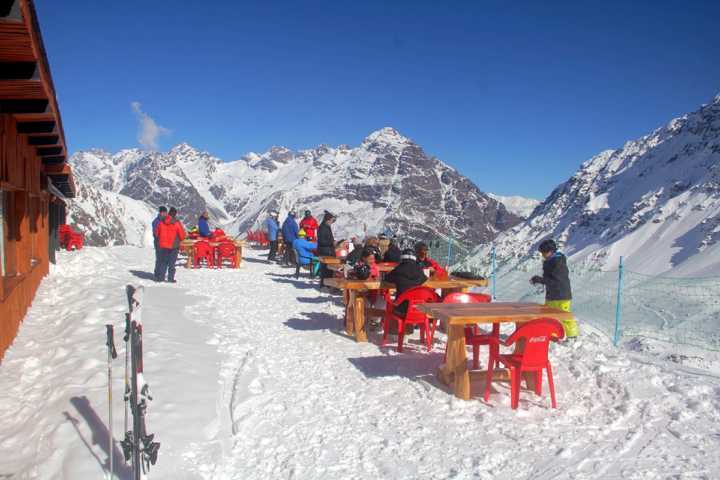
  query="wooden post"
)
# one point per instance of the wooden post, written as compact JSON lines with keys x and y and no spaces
{"x":349,"y":320}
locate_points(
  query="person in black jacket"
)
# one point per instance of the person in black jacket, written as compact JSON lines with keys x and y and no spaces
{"x":407,"y":275}
{"x":556,"y":278}
{"x":326,"y":244}
{"x":393,"y":252}
{"x":370,"y":244}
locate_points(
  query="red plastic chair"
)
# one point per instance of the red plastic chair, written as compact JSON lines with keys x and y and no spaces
{"x":64,"y":232}
{"x":227,"y":250}
{"x":264,"y":241}
{"x":414,"y":296}
{"x":472,"y":333}
{"x":203,"y":251}
{"x":75,"y":241}
{"x":537,"y":335}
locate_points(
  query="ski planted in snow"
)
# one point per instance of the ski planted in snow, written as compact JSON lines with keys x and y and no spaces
{"x":139,"y":446}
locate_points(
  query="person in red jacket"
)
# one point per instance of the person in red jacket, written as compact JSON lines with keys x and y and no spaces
{"x":423,"y":258}
{"x":310,"y":225}
{"x":170,"y":233}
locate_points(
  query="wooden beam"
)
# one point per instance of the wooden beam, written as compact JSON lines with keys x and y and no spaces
{"x":23,"y":106}
{"x":49,"y":151}
{"x":15,"y":43}
{"x":22,"y":90}
{"x":57,"y":170}
{"x":43,"y":140}
{"x":36,"y":127}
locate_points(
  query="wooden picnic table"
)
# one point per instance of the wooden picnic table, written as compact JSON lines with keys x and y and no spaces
{"x":457,"y":315}
{"x":186,"y":246}
{"x":357,"y":290}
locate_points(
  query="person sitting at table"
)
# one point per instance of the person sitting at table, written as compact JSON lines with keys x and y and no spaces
{"x":203,"y":225}
{"x":408,"y":274}
{"x":304,"y":252}
{"x":366,"y":268}
{"x":393,"y":252}
{"x":423,"y":258}
{"x":289,"y":231}
{"x":310,"y":225}
{"x":326,"y":244}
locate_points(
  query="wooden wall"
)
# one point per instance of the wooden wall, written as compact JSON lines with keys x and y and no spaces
{"x":25,"y":228}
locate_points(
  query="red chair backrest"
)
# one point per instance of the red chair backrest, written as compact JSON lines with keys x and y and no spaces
{"x":226,"y":249}
{"x":218,"y":232}
{"x":202,"y":249}
{"x":415,"y":296}
{"x":537,"y":334}
{"x":457,"y":297}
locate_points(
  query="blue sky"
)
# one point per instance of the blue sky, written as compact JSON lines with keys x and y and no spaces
{"x":515,"y":95}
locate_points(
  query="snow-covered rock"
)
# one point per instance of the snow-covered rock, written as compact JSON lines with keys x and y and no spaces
{"x":520,"y":206}
{"x":386,"y":182}
{"x":655,"y":201}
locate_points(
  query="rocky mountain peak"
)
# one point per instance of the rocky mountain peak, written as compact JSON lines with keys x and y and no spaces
{"x":387,"y":136}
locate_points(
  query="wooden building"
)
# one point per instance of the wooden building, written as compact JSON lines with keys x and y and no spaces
{"x":35,"y":179}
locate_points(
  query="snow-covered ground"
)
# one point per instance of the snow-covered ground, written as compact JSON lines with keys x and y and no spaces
{"x":252,"y":380}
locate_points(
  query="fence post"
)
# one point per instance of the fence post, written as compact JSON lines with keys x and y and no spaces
{"x":618,"y":306}
{"x":493,"y":274}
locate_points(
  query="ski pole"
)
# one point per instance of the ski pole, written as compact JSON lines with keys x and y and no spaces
{"x":112,"y":354}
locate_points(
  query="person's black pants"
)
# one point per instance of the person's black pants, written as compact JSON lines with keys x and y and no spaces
{"x":289,"y":257}
{"x":168,"y":257}
{"x":273,"y":250}
{"x":156,"y":272}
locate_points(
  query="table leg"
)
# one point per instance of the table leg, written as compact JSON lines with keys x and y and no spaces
{"x":189,"y":263}
{"x":349,"y":315}
{"x":456,"y":365}
{"x":359,"y":318}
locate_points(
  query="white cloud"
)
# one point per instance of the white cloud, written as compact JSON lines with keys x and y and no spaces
{"x":148,"y":130}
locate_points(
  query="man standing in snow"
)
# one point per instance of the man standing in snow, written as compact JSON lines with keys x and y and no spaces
{"x":162,"y":213}
{"x":310,"y":225}
{"x":271,"y":224}
{"x":290,"y":234}
{"x":170,"y":233}
{"x":556,"y":279}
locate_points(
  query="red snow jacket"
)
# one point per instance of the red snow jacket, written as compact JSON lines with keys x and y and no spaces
{"x":170,"y":233}
{"x":310,"y":225}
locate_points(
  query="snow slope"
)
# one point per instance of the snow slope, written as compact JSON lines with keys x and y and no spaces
{"x":655,"y":201}
{"x":109,"y":218}
{"x":252,"y":380}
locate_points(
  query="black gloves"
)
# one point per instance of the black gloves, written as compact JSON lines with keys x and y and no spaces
{"x":536,"y":279}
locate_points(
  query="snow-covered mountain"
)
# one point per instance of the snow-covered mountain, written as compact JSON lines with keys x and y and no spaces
{"x":520,"y":206}
{"x":386,"y":182}
{"x":655,"y":201}
{"x":108,"y":218}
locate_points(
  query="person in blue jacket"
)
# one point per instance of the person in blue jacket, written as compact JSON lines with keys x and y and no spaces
{"x":271,"y":224}
{"x":204,"y":226}
{"x":162,"y":212}
{"x":304,"y":253}
{"x":290,"y":233}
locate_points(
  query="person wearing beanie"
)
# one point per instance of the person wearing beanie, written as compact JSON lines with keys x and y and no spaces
{"x":162,"y":213}
{"x":304,"y":253}
{"x":408,"y":274}
{"x":290,"y":233}
{"x":170,"y":233}
{"x":556,"y":278}
{"x":310,"y":225}
{"x":325,"y":244}
{"x":271,"y":224}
